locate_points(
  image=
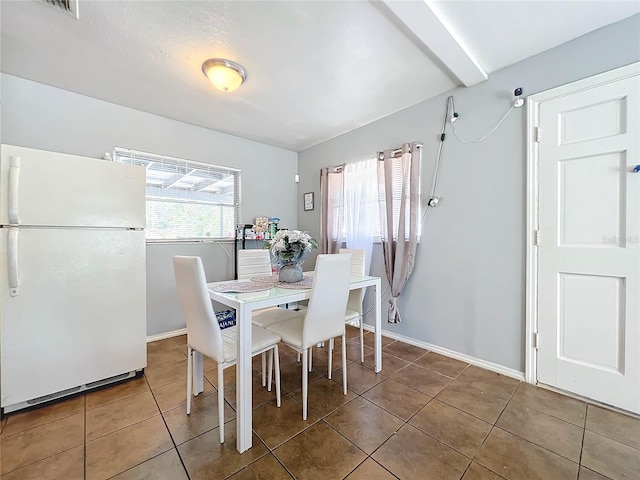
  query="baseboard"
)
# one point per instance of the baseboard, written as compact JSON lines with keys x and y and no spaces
{"x":494,"y":367}
{"x":162,"y":336}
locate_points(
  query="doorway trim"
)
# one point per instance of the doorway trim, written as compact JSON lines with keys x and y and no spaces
{"x":533,"y":122}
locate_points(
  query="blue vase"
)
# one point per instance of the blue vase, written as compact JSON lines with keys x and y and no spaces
{"x":290,"y":273}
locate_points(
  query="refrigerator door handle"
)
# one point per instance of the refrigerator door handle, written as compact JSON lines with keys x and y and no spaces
{"x":12,"y":201}
{"x":12,"y":263}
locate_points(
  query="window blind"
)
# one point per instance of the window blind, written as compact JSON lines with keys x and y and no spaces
{"x":186,"y":199}
{"x":400,"y":188}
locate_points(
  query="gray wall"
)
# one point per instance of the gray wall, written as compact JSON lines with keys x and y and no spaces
{"x":39,"y":116}
{"x":467,"y":293}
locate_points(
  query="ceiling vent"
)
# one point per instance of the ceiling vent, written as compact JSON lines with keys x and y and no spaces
{"x":67,"y":6}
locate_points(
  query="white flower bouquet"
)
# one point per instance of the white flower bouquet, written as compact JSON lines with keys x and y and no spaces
{"x":291,"y":246}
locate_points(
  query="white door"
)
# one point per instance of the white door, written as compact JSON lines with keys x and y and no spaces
{"x":589,"y":243}
{"x":43,"y":188}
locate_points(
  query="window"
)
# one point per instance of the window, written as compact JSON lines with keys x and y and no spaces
{"x":187,"y":200}
{"x":401,"y":193}
{"x":356,"y":207}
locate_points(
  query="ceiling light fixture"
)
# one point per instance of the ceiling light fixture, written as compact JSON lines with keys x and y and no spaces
{"x":224,"y":74}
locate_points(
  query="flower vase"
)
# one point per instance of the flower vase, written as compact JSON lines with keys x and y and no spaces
{"x":290,"y":273}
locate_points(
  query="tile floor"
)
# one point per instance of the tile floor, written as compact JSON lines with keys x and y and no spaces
{"x":425,"y":417}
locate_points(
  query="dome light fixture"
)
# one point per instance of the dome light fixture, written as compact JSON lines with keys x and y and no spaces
{"x":224,"y":74}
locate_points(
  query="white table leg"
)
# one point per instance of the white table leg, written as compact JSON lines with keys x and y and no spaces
{"x":243,"y":379}
{"x":378,"y":329}
{"x":198,"y":366}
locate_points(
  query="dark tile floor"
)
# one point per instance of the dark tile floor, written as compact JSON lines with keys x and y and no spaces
{"x":425,"y":416}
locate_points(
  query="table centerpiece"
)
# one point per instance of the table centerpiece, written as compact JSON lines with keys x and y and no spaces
{"x":289,"y":248}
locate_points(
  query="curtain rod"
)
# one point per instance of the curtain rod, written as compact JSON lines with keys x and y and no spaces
{"x":397,"y":152}
{"x":394,"y":153}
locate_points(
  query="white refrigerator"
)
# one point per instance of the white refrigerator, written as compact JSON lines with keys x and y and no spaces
{"x":73,"y":286}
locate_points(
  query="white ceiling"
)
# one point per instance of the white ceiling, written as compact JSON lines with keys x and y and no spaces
{"x":315,"y":70}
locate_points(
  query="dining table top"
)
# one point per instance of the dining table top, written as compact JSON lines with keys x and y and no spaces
{"x":276,"y":291}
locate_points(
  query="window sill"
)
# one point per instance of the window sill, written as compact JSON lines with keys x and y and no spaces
{"x":183,"y":241}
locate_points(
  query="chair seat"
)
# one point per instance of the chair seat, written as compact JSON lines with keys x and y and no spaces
{"x":268,"y":316}
{"x":290,"y":330}
{"x":261,"y":339}
{"x":351,"y":315}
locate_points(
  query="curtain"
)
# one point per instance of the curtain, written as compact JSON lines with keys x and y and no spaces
{"x":331,"y":200}
{"x":359,"y":206}
{"x":399,"y":200}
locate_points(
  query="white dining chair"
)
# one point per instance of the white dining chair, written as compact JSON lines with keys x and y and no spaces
{"x":323,"y":319}
{"x":205,"y":336}
{"x":354,"y":312}
{"x":254,"y":263}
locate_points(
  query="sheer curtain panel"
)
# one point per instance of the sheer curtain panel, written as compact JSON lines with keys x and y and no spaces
{"x":331,"y":209}
{"x":360,"y":207}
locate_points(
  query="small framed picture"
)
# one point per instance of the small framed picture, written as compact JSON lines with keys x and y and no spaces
{"x":308,"y":201}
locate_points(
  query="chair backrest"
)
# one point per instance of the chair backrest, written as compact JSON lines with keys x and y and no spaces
{"x":325,"y":314}
{"x":253,"y":262}
{"x":203,"y":331}
{"x":356,"y":297}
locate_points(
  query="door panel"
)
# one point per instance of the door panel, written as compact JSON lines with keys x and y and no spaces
{"x":54,"y":189}
{"x":585,"y":218}
{"x":578,"y":126}
{"x":80,"y":311}
{"x":591,"y":321}
{"x":589,"y":252}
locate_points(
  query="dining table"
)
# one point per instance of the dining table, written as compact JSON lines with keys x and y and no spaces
{"x":245,"y":301}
